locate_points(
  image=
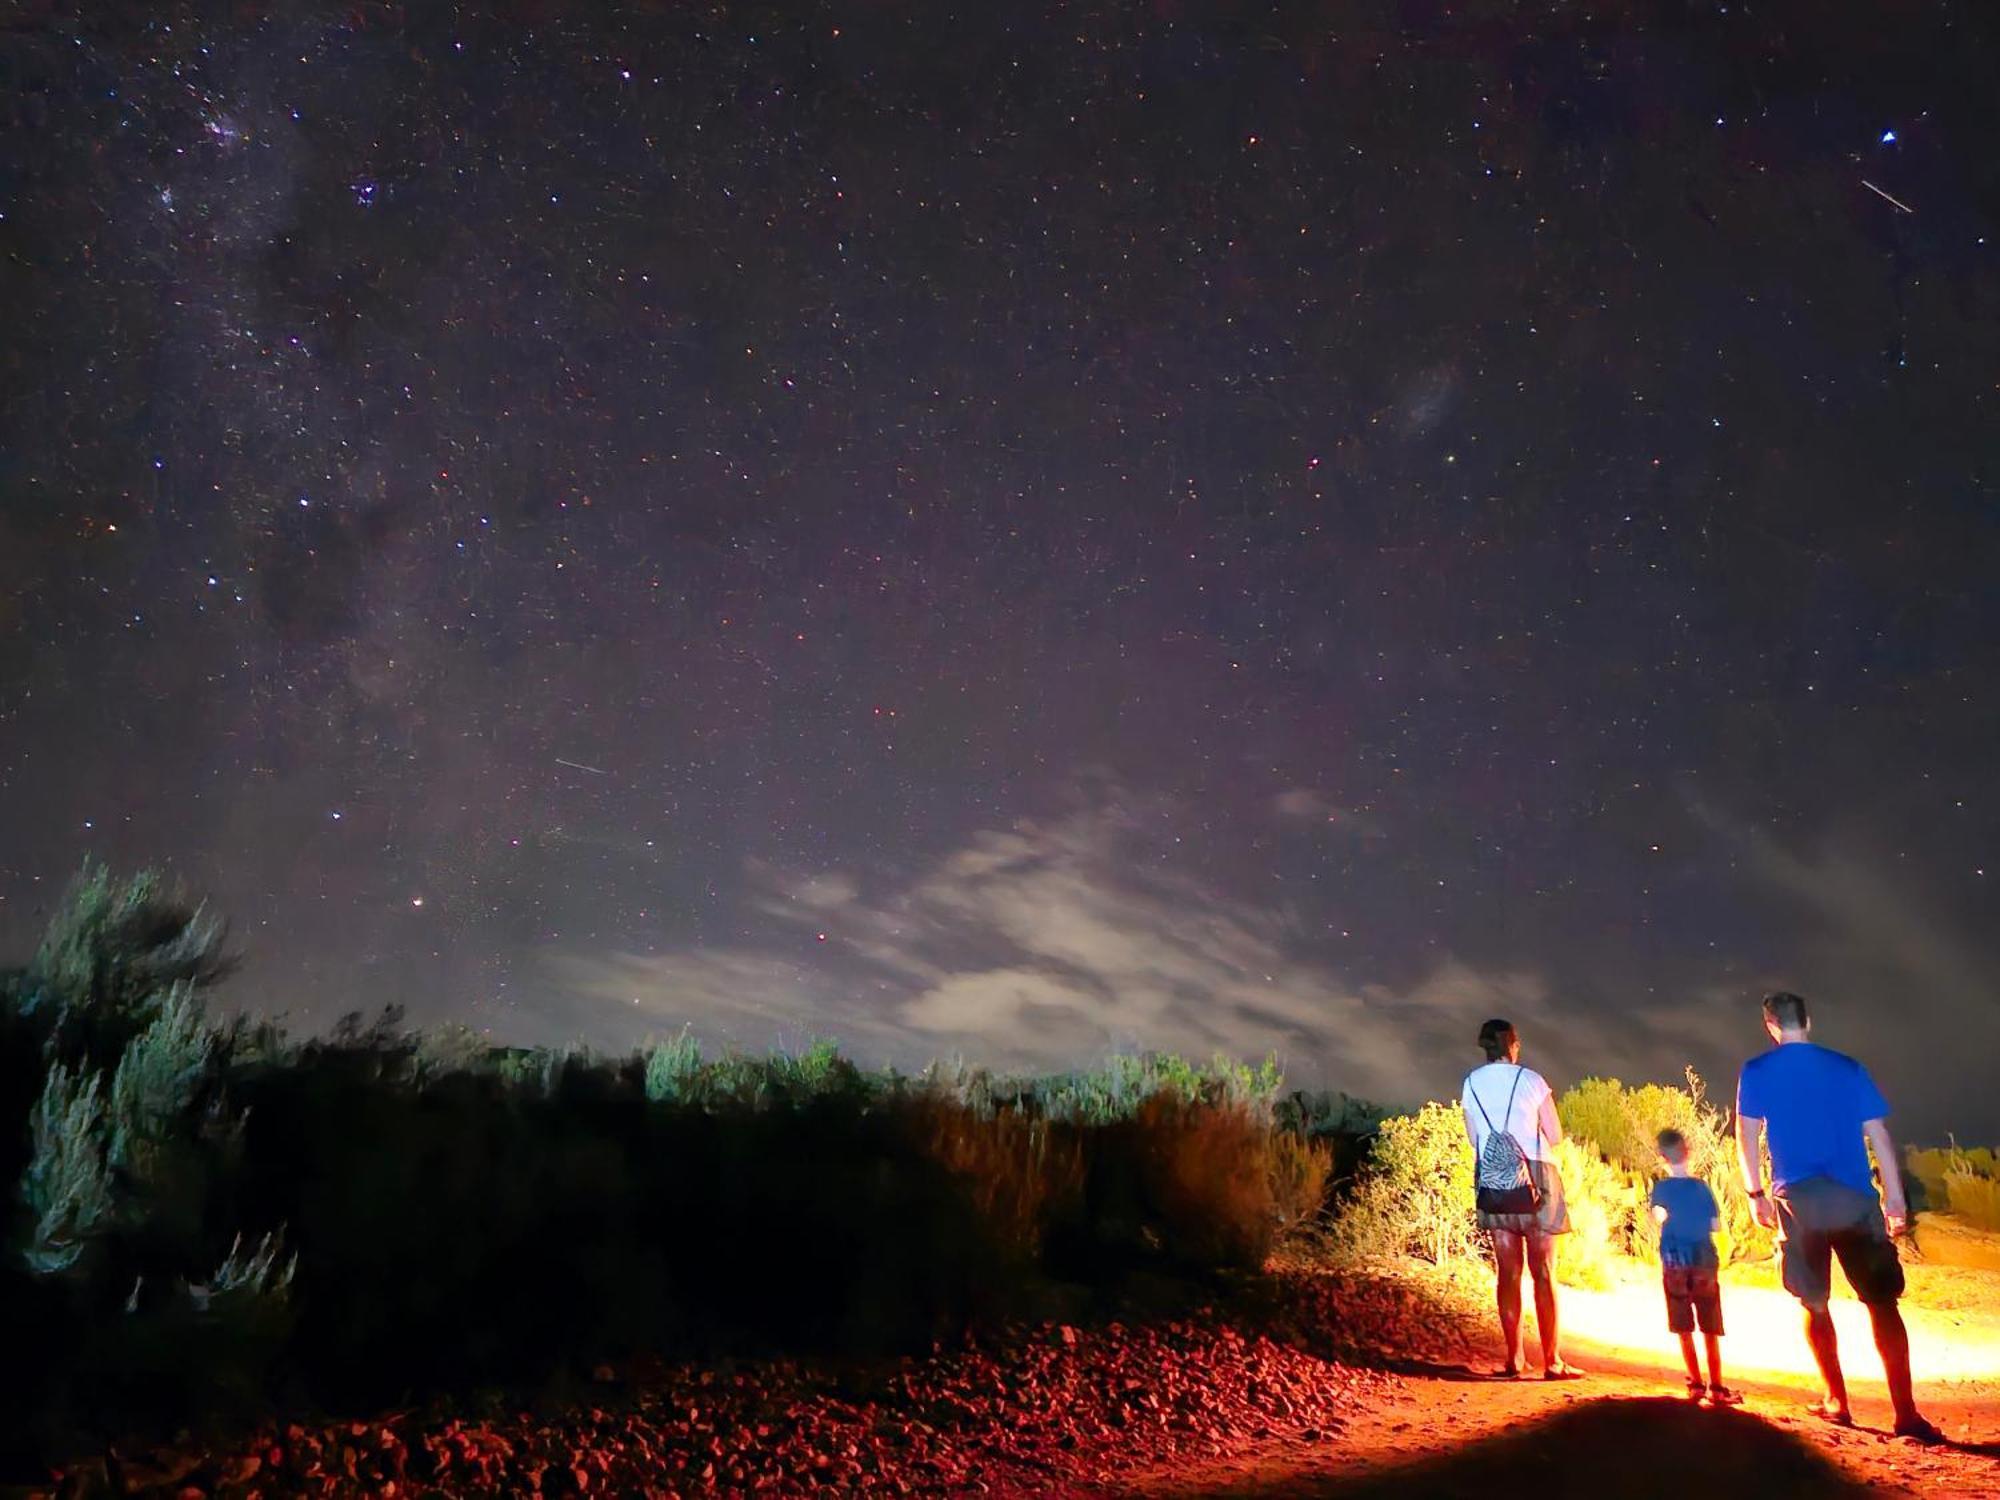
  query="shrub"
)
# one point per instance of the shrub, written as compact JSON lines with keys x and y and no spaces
{"x":1126,"y":1083}
{"x":112,"y":953}
{"x":1929,"y":1172}
{"x":1602,"y":1209}
{"x":1622,"y":1124}
{"x":1415,"y":1198}
{"x":156,"y":1081}
{"x":672,"y":1068}
{"x":1206,"y":1173}
{"x":1974,"y":1197}
{"x":67,"y":1188}
{"x":1019,"y":1171}
{"x":1301,"y":1170}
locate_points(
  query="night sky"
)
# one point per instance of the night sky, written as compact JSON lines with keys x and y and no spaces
{"x":1020,"y":530}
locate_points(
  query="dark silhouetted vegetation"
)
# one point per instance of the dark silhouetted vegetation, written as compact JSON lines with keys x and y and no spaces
{"x":212,"y":1218}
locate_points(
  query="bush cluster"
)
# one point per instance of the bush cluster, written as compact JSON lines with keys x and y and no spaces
{"x":1414,"y":1197}
{"x":208,"y":1217}
{"x":1958,"y":1181}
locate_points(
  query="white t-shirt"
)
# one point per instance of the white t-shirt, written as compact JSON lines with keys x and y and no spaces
{"x":1490,"y":1085}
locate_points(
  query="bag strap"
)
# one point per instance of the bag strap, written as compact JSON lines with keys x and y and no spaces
{"x":1507,"y":1113}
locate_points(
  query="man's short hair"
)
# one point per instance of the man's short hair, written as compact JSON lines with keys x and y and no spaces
{"x":1672,"y":1143}
{"x":1785,"y":1010}
{"x":1495,"y":1037}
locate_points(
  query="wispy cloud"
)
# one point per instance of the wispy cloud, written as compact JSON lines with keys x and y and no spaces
{"x":1890,"y":976}
{"x":1046,"y":944}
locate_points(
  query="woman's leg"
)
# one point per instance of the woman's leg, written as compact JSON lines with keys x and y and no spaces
{"x":1507,"y":1253}
{"x":1540,"y":1250}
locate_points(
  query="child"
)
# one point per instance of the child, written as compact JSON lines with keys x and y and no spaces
{"x":1686,"y":1212}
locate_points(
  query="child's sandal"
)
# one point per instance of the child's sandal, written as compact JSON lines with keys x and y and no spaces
{"x":1696,"y":1390}
{"x":1722,"y":1395}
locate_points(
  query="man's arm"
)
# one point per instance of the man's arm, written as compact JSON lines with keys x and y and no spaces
{"x":1750,"y":1153}
{"x":1895,"y":1208}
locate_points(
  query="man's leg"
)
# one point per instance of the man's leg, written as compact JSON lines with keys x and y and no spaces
{"x":1543,"y":1274}
{"x":1807,"y":1259}
{"x":1893,"y":1340}
{"x":1826,"y":1354}
{"x":1507,"y":1268}
{"x":1869,"y":1257}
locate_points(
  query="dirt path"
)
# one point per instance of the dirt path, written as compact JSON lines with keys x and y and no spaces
{"x":1629,"y":1431}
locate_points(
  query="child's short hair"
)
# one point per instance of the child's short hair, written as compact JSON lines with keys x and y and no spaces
{"x":1672,"y":1143}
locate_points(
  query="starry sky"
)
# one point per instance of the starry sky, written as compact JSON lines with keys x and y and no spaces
{"x":1023,"y":530}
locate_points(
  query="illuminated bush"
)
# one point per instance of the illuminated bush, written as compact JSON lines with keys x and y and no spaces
{"x":1415,"y":1197}
{"x":1603,"y":1202}
{"x":1622,"y":1124}
{"x":1301,"y":1170}
{"x":1958,"y":1181}
{"x":1019,"y":1171}
{"x":1974,"y":1197}
{"x":1206,"y":1176}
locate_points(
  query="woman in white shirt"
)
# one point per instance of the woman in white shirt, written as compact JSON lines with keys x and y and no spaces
{"x":1503,"y":1098}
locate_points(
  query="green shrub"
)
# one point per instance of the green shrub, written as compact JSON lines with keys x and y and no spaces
{"x":67,"y":1188}
{"x":672,"y":1068}
{"x":156,"y":1081}
{"x":1415,"y":1198}
{"x":1623,"y":1124}
{"x":112,"y":953}
{"x":1603,"y":1203}
{"x":258,"y":1274}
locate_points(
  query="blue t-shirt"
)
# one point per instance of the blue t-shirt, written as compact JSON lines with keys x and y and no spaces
{"x":1813,"y":1102}
{"x":1686,"y":1235}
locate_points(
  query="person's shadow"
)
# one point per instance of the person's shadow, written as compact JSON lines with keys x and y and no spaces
{"x":1647,"y":1446}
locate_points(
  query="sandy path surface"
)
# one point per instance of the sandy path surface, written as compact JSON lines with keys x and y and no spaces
{"x":1628,"y":1430}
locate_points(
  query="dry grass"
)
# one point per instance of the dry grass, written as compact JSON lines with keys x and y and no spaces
{"x":1016,"y":1170}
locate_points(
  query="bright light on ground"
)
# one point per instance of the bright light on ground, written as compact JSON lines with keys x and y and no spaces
{"x":1766,"y":1334}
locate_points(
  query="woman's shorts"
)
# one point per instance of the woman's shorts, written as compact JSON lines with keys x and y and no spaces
{"x":1551,"y":1218}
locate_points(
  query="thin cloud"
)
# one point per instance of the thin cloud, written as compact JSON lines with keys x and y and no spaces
{"x":1045,"y":945}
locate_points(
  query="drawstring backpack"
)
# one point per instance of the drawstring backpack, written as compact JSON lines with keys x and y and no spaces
{"x":1505,"y":1185}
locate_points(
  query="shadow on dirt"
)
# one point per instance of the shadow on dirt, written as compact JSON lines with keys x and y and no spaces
{"x":1629,"y":1448}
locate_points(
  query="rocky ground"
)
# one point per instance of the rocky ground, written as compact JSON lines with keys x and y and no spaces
{"x":1052,"y":1409}
{"x":1306,"y":1384}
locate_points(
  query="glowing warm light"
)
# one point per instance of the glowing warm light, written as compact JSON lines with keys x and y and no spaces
{"x":1766,"y":1334}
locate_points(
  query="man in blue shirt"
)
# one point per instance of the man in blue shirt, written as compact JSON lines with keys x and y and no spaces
{"x":1820,"y":1111}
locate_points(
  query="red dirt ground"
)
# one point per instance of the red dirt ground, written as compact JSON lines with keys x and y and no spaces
{"x":1283,"y":1397}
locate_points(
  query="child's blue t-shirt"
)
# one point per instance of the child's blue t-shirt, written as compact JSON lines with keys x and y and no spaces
{"x":1686,"y":1236}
